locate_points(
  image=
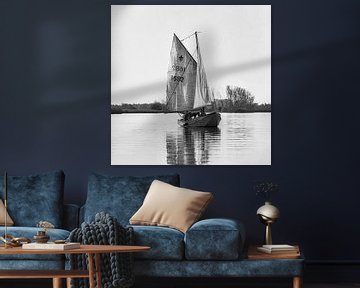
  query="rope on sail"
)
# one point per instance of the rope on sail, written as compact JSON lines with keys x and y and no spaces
{"x":187,"y":37}
{"x":190,"y":36}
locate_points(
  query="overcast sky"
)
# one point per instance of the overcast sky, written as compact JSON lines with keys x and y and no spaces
{"x":235,"y":44}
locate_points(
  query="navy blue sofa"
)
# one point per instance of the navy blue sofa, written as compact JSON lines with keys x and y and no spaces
{"x":210,"y":248}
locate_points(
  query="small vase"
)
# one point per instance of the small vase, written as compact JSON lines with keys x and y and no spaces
{"x":268,"y":214}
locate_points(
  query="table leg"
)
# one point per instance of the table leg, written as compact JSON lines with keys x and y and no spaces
{"x":98,"y":270}
{"x":68,"y":282}
{"x":57,"y":283}
{"x":91,"y":270}
{"x":297,"y":282}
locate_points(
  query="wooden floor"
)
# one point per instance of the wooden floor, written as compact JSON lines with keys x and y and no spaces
{"x":255,"y":284}
{"x":338,"y":285}
{"x":45,"y":283}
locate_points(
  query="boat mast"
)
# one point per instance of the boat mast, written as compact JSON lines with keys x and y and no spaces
{"x":197,"y":43}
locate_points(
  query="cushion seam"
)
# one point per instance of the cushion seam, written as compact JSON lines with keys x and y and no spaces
{"x":155,"y":224}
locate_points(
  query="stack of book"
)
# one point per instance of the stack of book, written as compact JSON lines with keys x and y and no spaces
{"x":279,"y":249}
{"x":51,"y":246}
{"x":274,"y":252}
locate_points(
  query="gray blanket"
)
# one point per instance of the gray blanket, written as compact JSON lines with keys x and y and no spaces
{"x":116,"y":268}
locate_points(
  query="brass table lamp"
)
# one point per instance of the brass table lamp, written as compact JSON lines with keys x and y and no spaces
{"x":268,"y":214}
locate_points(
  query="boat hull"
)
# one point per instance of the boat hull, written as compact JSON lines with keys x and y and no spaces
{"x":209,"y":120}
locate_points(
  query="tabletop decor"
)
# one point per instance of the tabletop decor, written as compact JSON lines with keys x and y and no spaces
{"x":11,"y":241}
{"x":268,"y":213}
{"x":41,"y":236}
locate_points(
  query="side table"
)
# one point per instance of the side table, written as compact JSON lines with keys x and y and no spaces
{"x":288,"y":259}
{"x":93,"y":251}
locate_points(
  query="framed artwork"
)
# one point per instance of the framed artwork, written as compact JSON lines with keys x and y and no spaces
{"x":190,"y":85}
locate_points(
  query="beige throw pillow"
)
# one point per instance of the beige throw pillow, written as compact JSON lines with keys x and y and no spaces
{"x":9,"y":221}
{"x":170,"y":206}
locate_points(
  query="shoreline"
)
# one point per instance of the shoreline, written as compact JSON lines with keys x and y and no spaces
{"x":162,"y":112}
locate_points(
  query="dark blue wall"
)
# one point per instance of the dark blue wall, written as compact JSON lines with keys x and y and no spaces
{"x":55,"y":114}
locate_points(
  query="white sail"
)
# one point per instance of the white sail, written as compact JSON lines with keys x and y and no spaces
{"x":202,"y":95}
{"x":181,"y":82}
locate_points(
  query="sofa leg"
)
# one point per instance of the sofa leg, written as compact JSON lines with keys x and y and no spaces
{"x":297,"y":282}
{"x":57,"y":283}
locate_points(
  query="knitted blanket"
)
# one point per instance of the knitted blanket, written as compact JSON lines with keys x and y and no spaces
{"x":116,"y":268}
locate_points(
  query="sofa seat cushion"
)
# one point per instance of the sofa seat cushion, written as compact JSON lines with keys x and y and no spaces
{"x":35,"y":198}
{"x":120,"y":196}
{"x":214,"y":239}
{"x":166,"y":243}
{"x":29,"y":232}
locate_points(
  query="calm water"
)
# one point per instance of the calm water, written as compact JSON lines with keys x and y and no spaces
{"x":156,"y":139}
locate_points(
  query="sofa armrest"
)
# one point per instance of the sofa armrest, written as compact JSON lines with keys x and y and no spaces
{"x":215,"y":239}
{"x":81,"y":214}
{"x":71,"y":216}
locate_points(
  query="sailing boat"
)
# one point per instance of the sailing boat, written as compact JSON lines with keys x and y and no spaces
{"x":187,"y":89}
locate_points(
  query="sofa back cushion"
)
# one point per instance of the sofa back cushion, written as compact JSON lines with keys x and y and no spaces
{"x":120,"y":196}
{"x":35,"y":198}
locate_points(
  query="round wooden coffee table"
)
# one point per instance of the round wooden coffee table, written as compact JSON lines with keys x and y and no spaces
{"x":92,"y":251}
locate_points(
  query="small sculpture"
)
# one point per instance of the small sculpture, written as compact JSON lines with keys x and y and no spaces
{"x":41,"y":236}
{"x":12,"y":241}
{"x":46,"y":225}
{"x":268,"y":213}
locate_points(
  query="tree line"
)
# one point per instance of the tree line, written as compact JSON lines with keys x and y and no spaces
{"x":155,"y":107}
{"x":237,"y":100}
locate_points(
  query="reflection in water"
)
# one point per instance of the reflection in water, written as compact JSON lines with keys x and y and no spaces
{"x":156,"y":139}
{"x":192,"y":145}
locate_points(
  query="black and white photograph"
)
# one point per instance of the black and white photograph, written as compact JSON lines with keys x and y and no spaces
{"x":190,"y":85}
